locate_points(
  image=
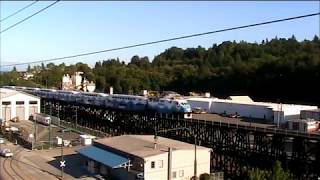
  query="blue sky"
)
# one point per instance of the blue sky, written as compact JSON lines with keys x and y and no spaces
{"x":71,"y":27}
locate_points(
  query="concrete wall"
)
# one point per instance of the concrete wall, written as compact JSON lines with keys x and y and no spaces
{"x":19,"y":97}
{"x":182,"y":161}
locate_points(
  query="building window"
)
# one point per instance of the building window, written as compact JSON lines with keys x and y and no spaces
{"x":181,"y":173}
{"x":33,"y":102}
{"x":160,"y":163}
{"x":6,"y":103}
{"x":19,"y":102}
{"x":174,"y":174}
{"x":153,"y":164}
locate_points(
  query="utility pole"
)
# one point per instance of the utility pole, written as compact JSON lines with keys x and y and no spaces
{"x":59,"y":113}
{"x":195,"y":146}
{"x":50,"y":126}
{"x":169,"y":162}
{"x":62,"y":161}
{"x":76,"y":117}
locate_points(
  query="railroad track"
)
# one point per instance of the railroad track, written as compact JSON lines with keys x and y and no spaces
{"x":9,"y":170}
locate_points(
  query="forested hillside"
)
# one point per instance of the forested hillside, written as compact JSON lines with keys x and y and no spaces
{"x":277,"y":69}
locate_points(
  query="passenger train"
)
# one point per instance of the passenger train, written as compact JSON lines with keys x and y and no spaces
{"x":115,"y":101}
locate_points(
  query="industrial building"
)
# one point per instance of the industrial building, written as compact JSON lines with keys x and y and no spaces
{"x":243,"y":106}
{"x":17,"y":105}
{"x":303,"y":125}
{"x":142,"y":157}
{"x":311,"y":114}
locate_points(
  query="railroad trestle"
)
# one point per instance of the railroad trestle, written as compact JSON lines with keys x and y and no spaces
{"x":234,"y":148}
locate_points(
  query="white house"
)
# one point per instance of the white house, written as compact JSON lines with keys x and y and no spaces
{"x":15,"y":104}
{"x":140,"y":156}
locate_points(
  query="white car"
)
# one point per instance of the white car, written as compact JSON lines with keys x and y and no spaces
{"x":1,"y":141}
{"x":6,"y":153}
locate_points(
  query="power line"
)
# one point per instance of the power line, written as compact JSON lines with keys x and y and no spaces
{"x":29,"y":17}
{"x":164,"y":40}
{"x":18,"y":11}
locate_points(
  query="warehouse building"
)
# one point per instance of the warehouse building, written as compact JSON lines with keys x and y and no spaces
{"x":17,"y":105}
{"x":311,"y":114}
{"x":244,"y":106}
{"x":303,"y":125}
{"x":142,"y":157}
{"x":200,"y":103}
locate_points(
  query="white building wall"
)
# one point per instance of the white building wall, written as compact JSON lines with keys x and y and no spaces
{"x":245,"y":110}
{"x":288,"y":112}
{"x":19,"y":97}
{"x":182,"y":160}
{"x":203,"y":103}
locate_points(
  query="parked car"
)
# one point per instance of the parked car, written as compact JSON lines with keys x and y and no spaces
{"x":6,"y":153}
{"x":198,"y":110}
{"x":234,"y":115}
{"x":1,"y":140}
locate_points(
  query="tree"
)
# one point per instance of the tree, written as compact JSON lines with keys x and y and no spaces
{"x":256,"y":174}
{"x":278,"y":173}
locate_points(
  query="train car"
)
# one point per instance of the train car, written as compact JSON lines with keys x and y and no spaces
{"x":31,"y":90}
{"x":97,"y":99}
{"x":163,"y":105}
{"x":126,"y":102}
{"x":41,"y":118}
{"x":166,"y":105}
{"x":70,"y":96}
{"x":46,"y":93}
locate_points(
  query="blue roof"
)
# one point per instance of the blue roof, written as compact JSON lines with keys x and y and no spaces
{"x":103,"y":156}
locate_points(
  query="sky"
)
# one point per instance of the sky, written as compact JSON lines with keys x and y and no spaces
{"x":71,"y":27}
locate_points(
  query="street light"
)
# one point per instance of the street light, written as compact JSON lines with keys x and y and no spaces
{"x":195,"y":144}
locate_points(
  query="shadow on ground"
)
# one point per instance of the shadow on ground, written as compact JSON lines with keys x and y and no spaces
{"x":74,"y":165}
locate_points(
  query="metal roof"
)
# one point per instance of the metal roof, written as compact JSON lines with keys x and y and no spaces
{"x":4,"y":92}
{"x":105,"y":157}
{"x":143,"y":145}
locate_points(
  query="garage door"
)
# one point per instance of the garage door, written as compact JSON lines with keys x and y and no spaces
{"x":6,"y":112}
{"x":33,"y":109}
{"x":20,"y":112}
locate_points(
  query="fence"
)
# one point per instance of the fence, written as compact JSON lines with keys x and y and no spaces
{"x":76,"y":128}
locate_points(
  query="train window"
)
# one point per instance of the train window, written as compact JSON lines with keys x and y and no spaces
{"x":19,"y":102}
{"x":6,"y":103}
{"x":33,"y":102}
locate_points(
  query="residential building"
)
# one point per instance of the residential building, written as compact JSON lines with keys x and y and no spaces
{"x":77,"y":82}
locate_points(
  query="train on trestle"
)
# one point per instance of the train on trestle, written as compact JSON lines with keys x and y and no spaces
{"x":166,"y":105}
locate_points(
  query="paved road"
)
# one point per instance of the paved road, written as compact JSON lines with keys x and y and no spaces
{"x":13,"y":168}
{"x":41,"y":165}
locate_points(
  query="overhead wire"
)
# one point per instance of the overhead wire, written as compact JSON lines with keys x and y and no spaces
{"x":18,"y":11}
{"x":163,"y":40}
{"x":29,"y":17}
